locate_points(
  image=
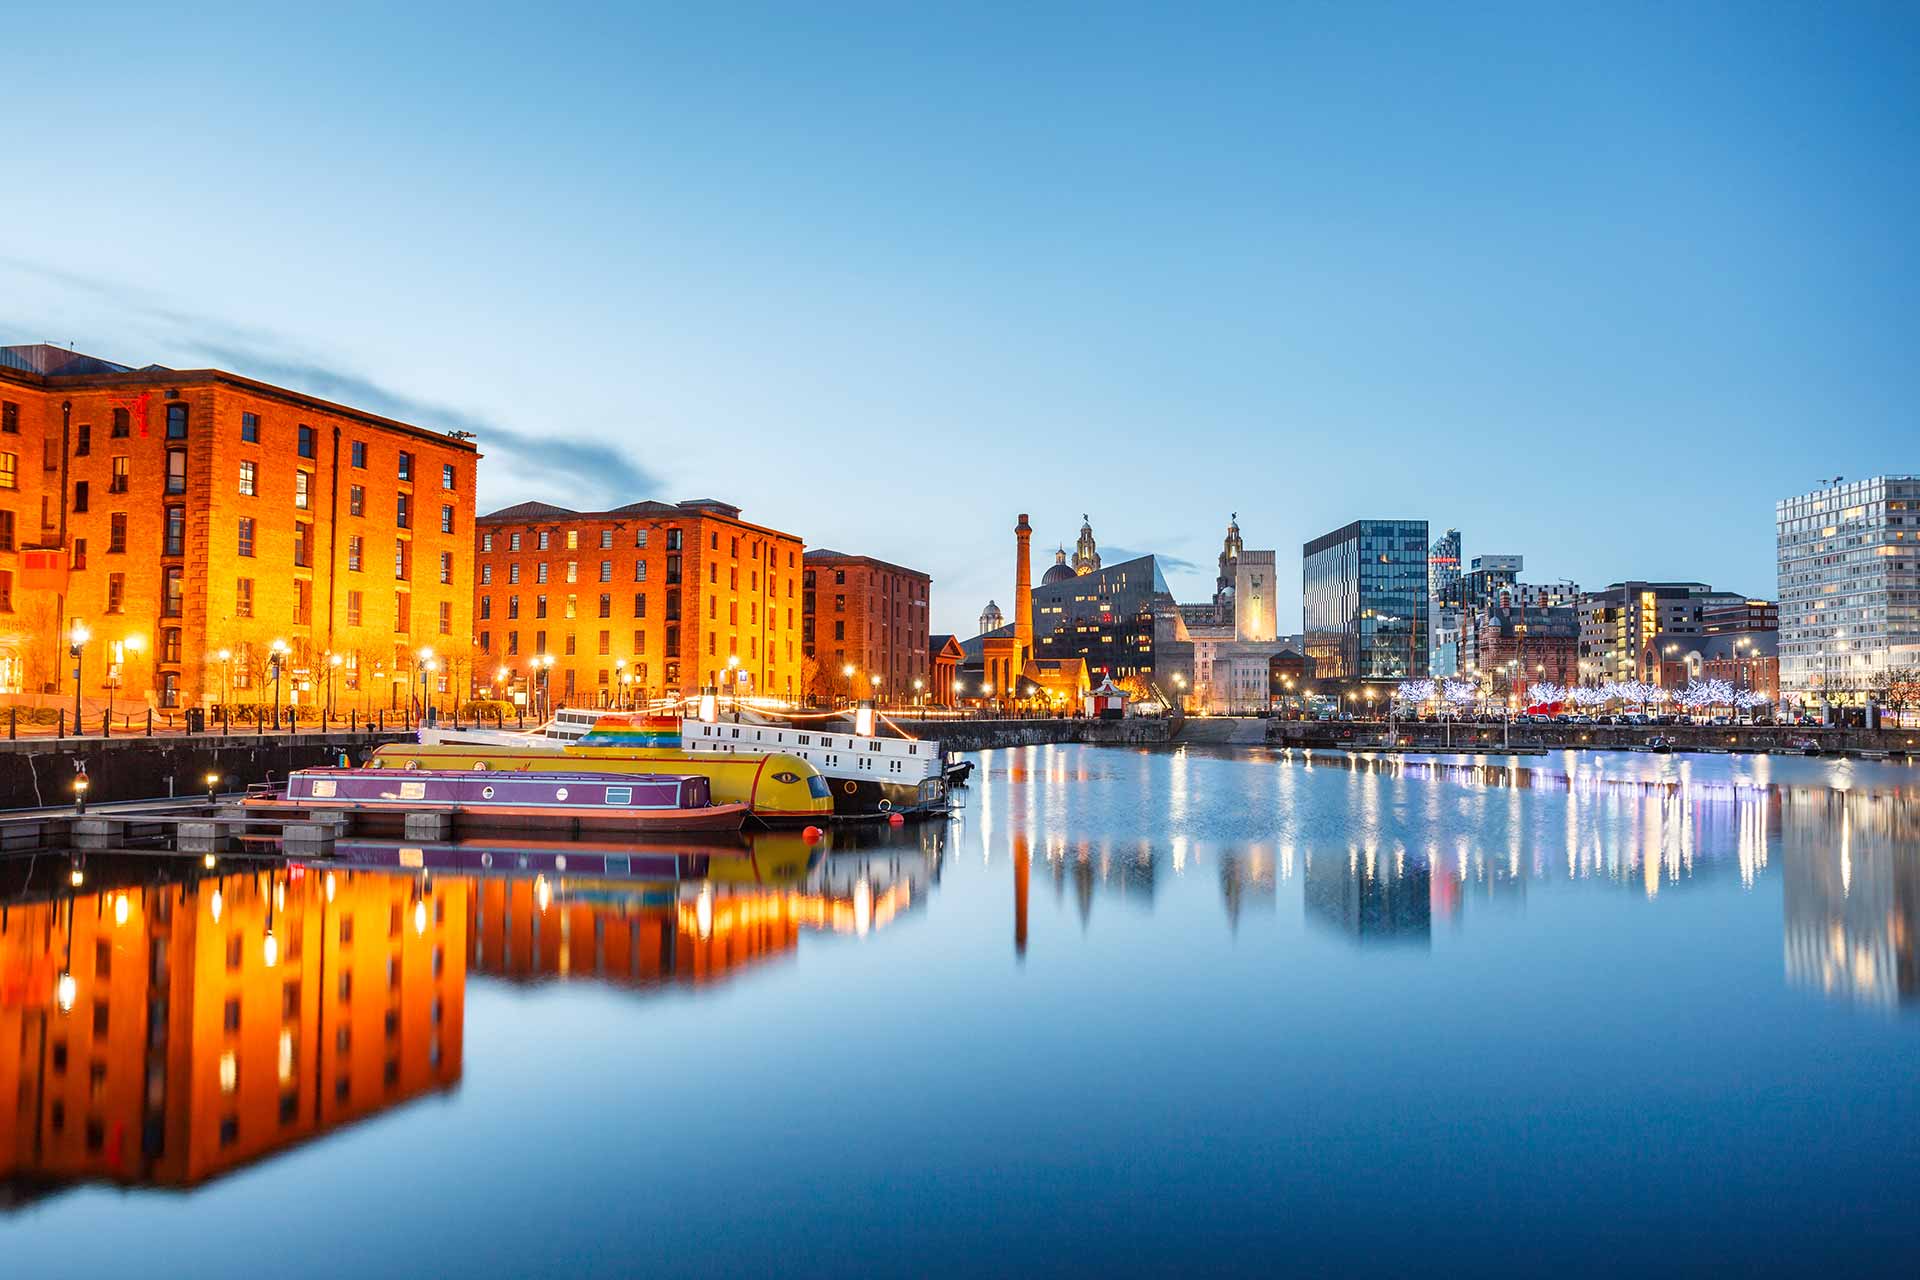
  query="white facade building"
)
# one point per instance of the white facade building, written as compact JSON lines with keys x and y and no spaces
{"x":1849,"y":560}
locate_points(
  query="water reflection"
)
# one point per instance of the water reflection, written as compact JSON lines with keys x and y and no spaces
{"x":1851,"y":890}
{"x":163,"y":1023}
{"x":1370,"y":900}
{"x":165,"y":1032}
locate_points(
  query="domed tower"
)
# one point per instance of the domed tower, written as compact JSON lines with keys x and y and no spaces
{"x":1229,"y":570}
{"x":990,"y":619}
{"x":1086,"y":557}
{"x":1059,"y":571}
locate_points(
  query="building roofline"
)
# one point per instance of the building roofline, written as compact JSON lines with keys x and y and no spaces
{"x":156,"y":376}
{"x":826,"y":555}
{"x":699,"y":509}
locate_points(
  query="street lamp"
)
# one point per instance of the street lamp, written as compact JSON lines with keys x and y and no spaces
{"x":226,"y":679}
{"x":76,"y":649}
{"x":427,"y":667}
{"x":619,"y":683}
{"x":276,"y":659}
{"x":846,"y":673}
{"x":333,"y":665}
{"x":733,"y":683}
{"x":544,"y":663}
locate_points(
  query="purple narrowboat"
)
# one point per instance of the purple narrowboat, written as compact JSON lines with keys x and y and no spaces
{"x":522,"y":801}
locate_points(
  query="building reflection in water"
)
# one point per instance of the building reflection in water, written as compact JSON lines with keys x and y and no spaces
{"x":1850,"y":875}
{"x":743,"y":911}
{"x":1370,"y":896}
{"x":163,"y":1033}
{"x":1248,"y":881}
{"x":1123,"y":870}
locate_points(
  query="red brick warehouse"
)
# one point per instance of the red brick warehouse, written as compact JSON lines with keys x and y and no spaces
{"x":192,"y":518}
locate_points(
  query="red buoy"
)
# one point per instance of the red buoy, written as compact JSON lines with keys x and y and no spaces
{"x":895,"y":820}
{"x":811,"y":834}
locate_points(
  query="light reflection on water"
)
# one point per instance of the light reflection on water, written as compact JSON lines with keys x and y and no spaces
{"x":1228,"y":988}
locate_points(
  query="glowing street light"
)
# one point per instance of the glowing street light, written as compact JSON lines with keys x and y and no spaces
{"x":276,"y":659}
{"x":77,"y":639}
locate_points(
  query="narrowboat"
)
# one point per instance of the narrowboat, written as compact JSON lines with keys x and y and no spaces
{"x":625,"y":802}
{"x":777,"y":789}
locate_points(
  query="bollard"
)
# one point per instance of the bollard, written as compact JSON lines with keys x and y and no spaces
{"x":13,"y":722}
{"x":150,"y":722}
{"x":61,"y":730}
{"x":106,"y":725}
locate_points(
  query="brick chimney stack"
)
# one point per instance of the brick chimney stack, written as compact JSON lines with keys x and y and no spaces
{"x":1023,"y":588}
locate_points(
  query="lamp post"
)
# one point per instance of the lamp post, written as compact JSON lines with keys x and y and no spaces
{"x":847,"y":673}
{"x":873,"y":680}
{"x":276,"y":658}
{"x":426,"y":665}
{"x":544,"y":662}
{"x":333,"y":665}
{"x":77,"y":639}
{"x":226,"y":678}
{"x":733,"y":684}
{"x":917,"y":686}
{"x":619,"y":692}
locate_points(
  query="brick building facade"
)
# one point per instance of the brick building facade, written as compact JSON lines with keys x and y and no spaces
{"x":648,"y":600}
{"x":1511,"y":647}
{"x":871,"y":615}
{"x":191,"y":518}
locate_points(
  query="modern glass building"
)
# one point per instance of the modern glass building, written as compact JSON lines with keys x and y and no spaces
{"x":1849,"y":586}
{"x":1365,"y":601}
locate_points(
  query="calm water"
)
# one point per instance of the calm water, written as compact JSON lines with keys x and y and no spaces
{"x":1131,"y":1011}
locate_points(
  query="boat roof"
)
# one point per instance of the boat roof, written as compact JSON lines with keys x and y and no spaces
{"x":543,"y":776}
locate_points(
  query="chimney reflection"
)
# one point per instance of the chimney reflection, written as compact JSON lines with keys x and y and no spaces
{"x":1022,"y":872}
{"x":148,"y":1040}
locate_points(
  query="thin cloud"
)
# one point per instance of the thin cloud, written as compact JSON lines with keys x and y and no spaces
{"x":574,"y":471}
{"x":571,"y":466}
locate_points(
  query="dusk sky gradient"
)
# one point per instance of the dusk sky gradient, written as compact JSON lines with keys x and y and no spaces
{"x":1595,"y":284}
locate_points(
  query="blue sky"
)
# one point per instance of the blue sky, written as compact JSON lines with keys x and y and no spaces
{"x":1595,"y":284}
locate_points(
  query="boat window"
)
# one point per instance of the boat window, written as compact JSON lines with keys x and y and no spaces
{"x":619,"y":795}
